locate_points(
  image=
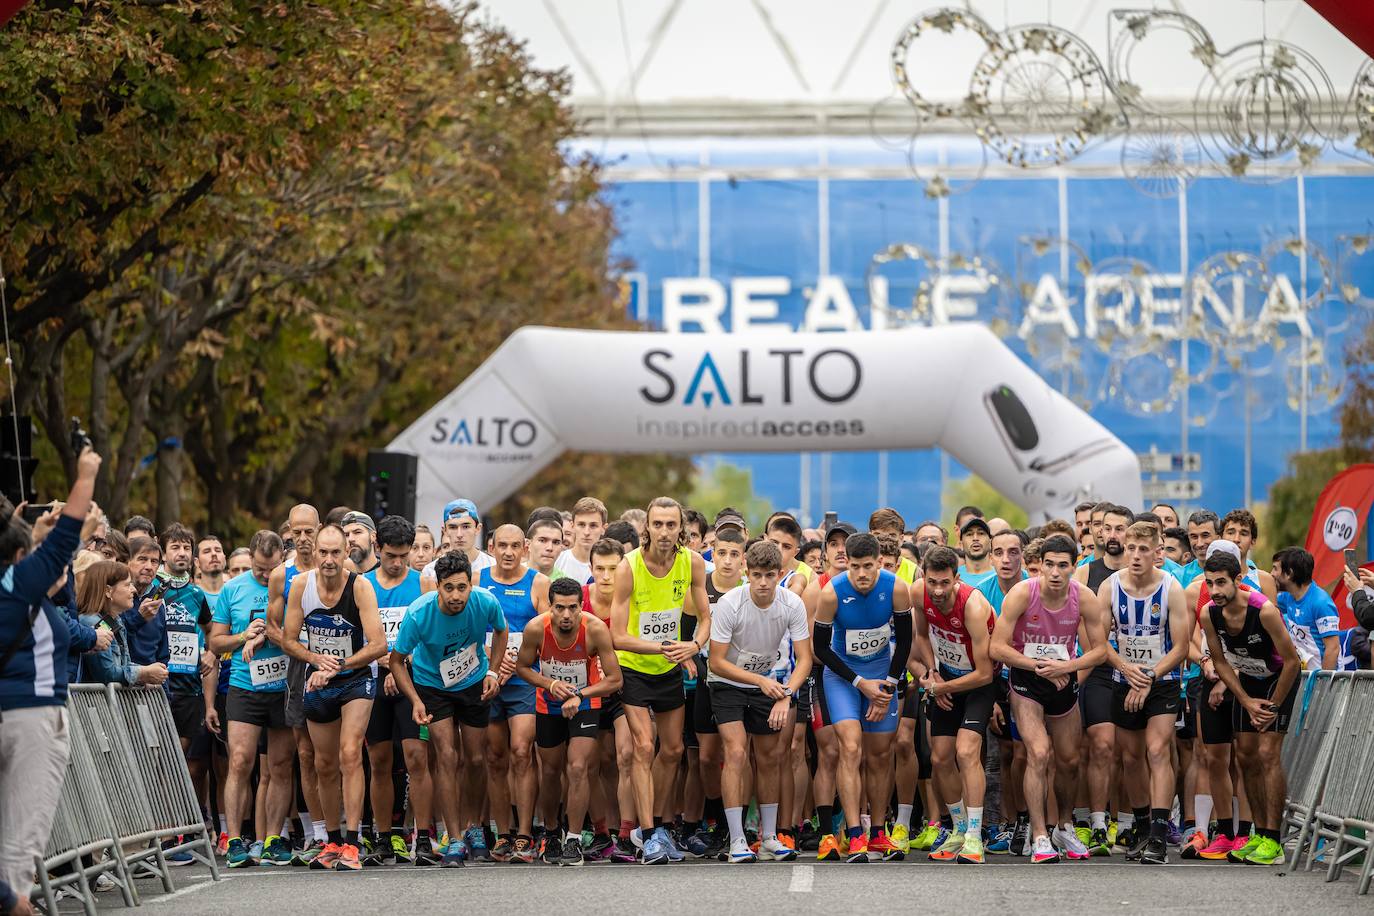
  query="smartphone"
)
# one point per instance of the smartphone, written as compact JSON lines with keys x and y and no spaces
{"x":158,"y":591}
{"x":1350,"y":563}
{"x":80,"y":441}
{"x":33,"y":513}
{"x":831,"y":519}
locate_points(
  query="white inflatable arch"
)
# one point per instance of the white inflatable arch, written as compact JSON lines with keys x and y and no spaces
{"x":547,"y":390}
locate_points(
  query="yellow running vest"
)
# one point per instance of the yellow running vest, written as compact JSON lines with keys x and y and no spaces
{"x":656,"y":609}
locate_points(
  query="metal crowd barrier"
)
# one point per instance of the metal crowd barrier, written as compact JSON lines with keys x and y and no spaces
{"x":1329,"y":759}
{"x":127,"y":790}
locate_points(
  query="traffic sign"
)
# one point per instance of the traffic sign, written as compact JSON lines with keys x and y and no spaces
{"x":1165,"y":490}
{"x":1153,"y":462}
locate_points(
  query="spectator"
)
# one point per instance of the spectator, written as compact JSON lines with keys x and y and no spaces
{"x":138,"y":525}
{"x":11,"y":904}
{"x":1361,"y":599}
{"x":34,"y":640}
{"x":107,"y":591}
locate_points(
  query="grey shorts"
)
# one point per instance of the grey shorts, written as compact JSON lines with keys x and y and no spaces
{"x":295,"y":693}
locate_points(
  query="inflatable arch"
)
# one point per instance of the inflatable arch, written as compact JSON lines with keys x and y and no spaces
{"x":548,"y":390}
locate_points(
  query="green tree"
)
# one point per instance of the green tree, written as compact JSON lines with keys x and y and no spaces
{"x":975,"y":491}
{"x":726,"y":484}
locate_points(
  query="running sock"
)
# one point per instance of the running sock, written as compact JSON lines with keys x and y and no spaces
{"x":1080,"y":817}
{"x":768,"y":820}
{"x":570,"y":836}
{"x":714,"y":810}
{"x":690,"y":827}
{"x":658,"y":822}
{"x":1125,"y":821}
{"x":1099,"y":820}
{"x":1141,"y":815}
{"x":384,"y":842}
{"x":1202,"y":804}
{"x":826,"y":815}
{"x":1244,"y":828}
{"x":1189,"y":827}
{"x":853,"y":833}
{"x":975,"y":821}
{"x":318,"y":828}
{"x":1268,"y":834}
{"x":223,"y":824}
{"x":734,"y":817}
{"x":956,"y":814}
{"x":904,"y":815}
{"x":334,"y":837}
{"x":947,"y":822}
{"x":1159,"y":823}
{"x":626,"y":827}
{"x":351,"y":837}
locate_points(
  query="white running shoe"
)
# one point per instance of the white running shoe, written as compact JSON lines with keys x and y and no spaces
{"x":1066,"y":838}
{"x":740,"y":851}
{"x":771,"y":849}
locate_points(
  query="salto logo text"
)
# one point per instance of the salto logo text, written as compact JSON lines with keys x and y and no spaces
{"x":487,"y":432}
{"x":833,"y":376}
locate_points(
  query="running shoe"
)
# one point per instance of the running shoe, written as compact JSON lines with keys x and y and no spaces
{"x":328,"y":857}
{"x":828,"y":850}
{"x":1242,"y":851}
{"x":1067,"y":840}
{"x":719,"y":844}
{"x":941,"y":834}
{"x":901,"y":840}
{"x":502,"y":850}
{"x":740,"y":853}
{"x":1138,"y":840}
{"x":599,"y":849}
{"x":425,"y":854}
{"x":1194,"y":847}
{"x":622,"y":850}
{"x":222,"y":846}
{"x":1175,"y":836}
{"x":926,"y":838}
{"x":1043,"y":852}
{"x":787,"y":840}
{"x":238,"y":854}
{"x":1021,"y":839}
{"x":348,"y":858}
{"x":881,"y":845}
{"x":774,"y":849}
{"x":477,"y":846}
{"x":971,"y":853}
{"x":699,"y":842}
{"x":947,"y":850}
{"x":572,"y":852}
{"x":1218,"y":849}
{"x":178,"y":859}
{"x":858,"y":849}
{"x":655,"y":850}
{"x":1084,"y":833}
{"x":302,"y":857}
{"x":455,"y":854}
{"x":675,"y":853}
{"x":523,"y":851}
{"x":808,"y":838}
{"x":1098,"y":843}
{"x":255,"y":852}
{"x":276,"y":852}
{"x":400,"y":851}
{"x":551,"y":850}
{"x":1156,"y":851}
{"x":1111,"y":833}
{"x":1267,"y":852}
{"x":1000,"y":844}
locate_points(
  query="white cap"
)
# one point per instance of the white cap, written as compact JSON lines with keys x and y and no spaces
{"x":1220,"y":545}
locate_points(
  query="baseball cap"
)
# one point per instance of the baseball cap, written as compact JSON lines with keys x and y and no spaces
{"x":359,"y":518}
{"x":844,"y":527}
{"x":730,"y":520}
{"x":458,"y":507}
{"x":975,"y":522}
{"x":1223,"y":546}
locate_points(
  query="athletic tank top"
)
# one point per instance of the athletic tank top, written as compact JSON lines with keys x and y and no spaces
{"x":1142,"y":626}
{"x":1045,"y":634}
{"x":949,"y":635}
{"x":1204,"y":595}
{"x":862,"y":633}
{"x":656,"y":609}
{"x":1097,"y":574}
{"x":392,"y":602}
{"x":572,"y":665}
{"x":589,"y":608}
{"x":517,"y":604}
{"x":335,"y":631}
{"x":1251,"y":651}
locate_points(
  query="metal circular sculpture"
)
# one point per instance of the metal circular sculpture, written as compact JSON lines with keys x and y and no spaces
{"x":946,"y":21}
{"x":1160,"y":157}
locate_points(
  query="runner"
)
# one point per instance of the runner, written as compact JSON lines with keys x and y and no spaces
{"x":397,"y":586}
{"x":523,"y":594}
{"x":545,"y":537}
{"x":462,"y":531}
{"x":444,"y":636}
{"x":1083,"y":523}
{"x":654,"y":586}
{"x":577,"y":672}
{"x":423,"y":552}
{"x":1203,"y":528}
{"x":361,"y":531}
{"x":1255,"y":658}
{"x":747,"y":626}
{"x":835,"y":562}
{"x":953,"y":625}
{"x":210,"y":566}
{"x":795,"y":776}
{"x":1168,"y":515}
{"x":337,"y":609}
{"x":589,"y":519}
{"x":856,"y":618}
{"x":1035,"y":635}
{"x":975,"y":537}
{"x":257,"y":686}
{"x":1149,"y":618}
{"x":1311,"y":615}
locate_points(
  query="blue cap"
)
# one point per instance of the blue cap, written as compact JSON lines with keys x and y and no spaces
{"x":460,"y":507}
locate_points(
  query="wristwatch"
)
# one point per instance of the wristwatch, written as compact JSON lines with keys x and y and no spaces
{"x":787,"y":690}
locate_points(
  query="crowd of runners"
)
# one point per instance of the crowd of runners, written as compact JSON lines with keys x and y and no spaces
{"x":355,"y":692}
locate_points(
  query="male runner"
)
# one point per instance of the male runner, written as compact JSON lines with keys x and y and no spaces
{"x":577,"y":672}
{"x":1149,"y":618}
{"x":1095,"y":529}
{"x":545,"y":537}
{"x":257,"y":685}
{"x":654,"y":586}
{"x":1168,"y":515}
{"x":954,"y":624}
{"x":890,"y":521}
{"x":338,"y":610}
{"x":856,"y":618}
{"x":397,"y":586}
{"x":1008,"y":563}
{"x":1203,"y":528}
{"x":1176,"y":547}
{"x":361,"y":531}
{"x":444,"y":635}
{"x":835,"y":562}
{"x":1041,"y":618}
{"x":1083,"y":522}
{"x":1308,"y":610}
{"x":523,"y":594}
{"x":975,"y":537}
{"x":930,"y":532}
{"x":1255,"y":658}
{"x":747,"y":625}
{"x":589,"y":519}
{"x":462,"y":528}
{"x":795,"y":775}
{"x":210,"y":566}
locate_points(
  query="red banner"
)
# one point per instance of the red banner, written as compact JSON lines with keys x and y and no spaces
{"x":8,"y":8}
{"x":1339,"y":521}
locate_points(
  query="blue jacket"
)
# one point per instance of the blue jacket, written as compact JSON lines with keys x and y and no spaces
{"x":147,"y":638}
{"x":82,"y":637}
{"x":114,"y":665}
{"x":37,"y":674}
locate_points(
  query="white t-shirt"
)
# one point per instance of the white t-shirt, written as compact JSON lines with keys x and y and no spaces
{"x":573,"y":568}
{"x":482,"y":562}
{"x":755,"y":633}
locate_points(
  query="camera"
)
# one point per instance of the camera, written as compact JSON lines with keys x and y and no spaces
{"x":79,"y":439}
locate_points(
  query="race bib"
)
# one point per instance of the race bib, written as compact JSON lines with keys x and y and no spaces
{"x":513,"y":640}
{"x":1046,"y":651}
{"x":574,"y":673}
{"x":334,"y":646}
{"x":1141,"y":650}
{"x":864,"y":643}
{"x":185,"y":651}
{"x":391,"y":623}
{"x":459,"y":666}
{"x":756,"y":662}
{"x":656,"y":626}
{"x":267,"y":672}
{"x":1250,"y":667}
{"x":950,"y":652}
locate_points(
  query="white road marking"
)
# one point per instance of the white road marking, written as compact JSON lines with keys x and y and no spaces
{"x":200,"y":885}
{"x":802,"y":876}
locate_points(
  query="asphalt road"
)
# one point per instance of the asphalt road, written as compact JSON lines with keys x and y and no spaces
{"x":1002,"y":886}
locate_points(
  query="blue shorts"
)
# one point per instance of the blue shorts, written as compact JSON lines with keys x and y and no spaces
{"x":326,"y":705}
{"x":515,"y":699}
{"x":837,"y":701}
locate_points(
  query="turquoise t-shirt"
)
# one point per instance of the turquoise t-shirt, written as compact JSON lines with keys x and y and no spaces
{"x":243,"y":600}
{"x":448,"y":652}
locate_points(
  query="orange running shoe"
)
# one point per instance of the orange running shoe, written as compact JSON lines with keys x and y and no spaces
{"x":348,"y":858}
{"x":328,"y":857}
{"x":787,"y":840}
{"x":1218,"y":848}
{"x":828,"y":850}
{"x":881,"y":844}
{"x":1195,"y":845}
{"x":858,"y":850}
